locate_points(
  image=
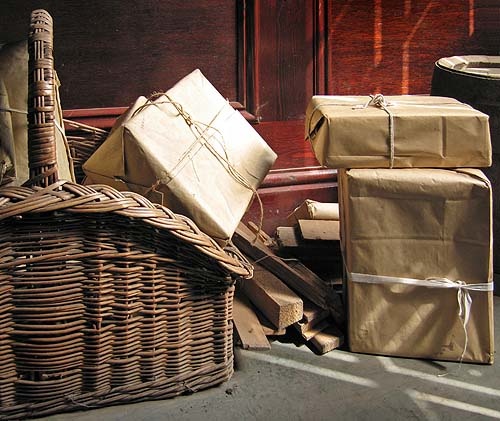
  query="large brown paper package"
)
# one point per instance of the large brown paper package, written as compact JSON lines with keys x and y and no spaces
{"x":14,"y":122}
{"x":109,"y":160}
{"x":407,"y":235}
{"x":189,"y":150}
{"x":424,"y":131}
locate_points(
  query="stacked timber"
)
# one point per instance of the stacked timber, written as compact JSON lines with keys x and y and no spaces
{"x":284,"y":297}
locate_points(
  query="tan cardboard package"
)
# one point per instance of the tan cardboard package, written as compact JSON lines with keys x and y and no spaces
{"x":410,"y":236}
{"x":421,"y":131}
{"x":189,"y":150}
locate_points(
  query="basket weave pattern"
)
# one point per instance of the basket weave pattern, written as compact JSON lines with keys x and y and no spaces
{"x":106,"y":298}
{"x":83,"y":141}
{"x":41,"y":100}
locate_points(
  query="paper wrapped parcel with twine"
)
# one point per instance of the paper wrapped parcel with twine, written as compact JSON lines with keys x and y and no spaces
{"x":189,"y":150}
{"x":14,"y":121}
{"x":417,"y":249}
{"x":313,"y":210}
{"x":397,"y":131}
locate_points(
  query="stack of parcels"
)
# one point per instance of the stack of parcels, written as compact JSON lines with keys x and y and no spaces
{"x":416,"y":242}
{"x":189,"y":150}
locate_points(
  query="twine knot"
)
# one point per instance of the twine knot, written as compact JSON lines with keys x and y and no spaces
{"x":378,"y":100}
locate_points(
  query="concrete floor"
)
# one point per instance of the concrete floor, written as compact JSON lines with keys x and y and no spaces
{"x":292,"y":383}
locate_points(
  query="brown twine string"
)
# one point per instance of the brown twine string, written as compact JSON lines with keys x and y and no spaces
{"x":378,"y":100}
{"x":3,"y":170}
{"x":58,"y":127}
{"x":12,"y":110}
{"x":283,"y":259}
{"x":200,"y":129}
{"x":153,"y":189}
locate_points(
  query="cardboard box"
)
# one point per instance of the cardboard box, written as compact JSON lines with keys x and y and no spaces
{"x":427,"y":132}
{"x":429,"y":229}
{"x":190,"y":151}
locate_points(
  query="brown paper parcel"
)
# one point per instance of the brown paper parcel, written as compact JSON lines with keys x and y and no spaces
{"x":189,"y":150}
{"x":14,"y":121}
{"x":421,"y":224}
{"x":428,"y":132}
{"x":311,"y":209}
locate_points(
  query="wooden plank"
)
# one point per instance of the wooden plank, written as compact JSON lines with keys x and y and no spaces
{"x":313,"y":316}
{"x":327,"y":340}
{"x":292,"y":272}
{"x":322,"y":257}
{"x":247,"y":324}
{"x":311,"y":288}
{"x":311,"y":332}
{"x":332,"y":299}
{"x":264,"y":237}
{"x":267,"y":327}
{"x":313,"y":313}
{"x":319,"y":229}
{"x":286,"y":237}
{"x":281,"y":306}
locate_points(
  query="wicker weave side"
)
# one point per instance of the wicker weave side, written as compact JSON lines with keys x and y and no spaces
{"x":109,"y":299}
{"x":83,"y":141}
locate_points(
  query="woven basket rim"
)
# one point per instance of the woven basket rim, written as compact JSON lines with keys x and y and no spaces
{"x":99,"y":199}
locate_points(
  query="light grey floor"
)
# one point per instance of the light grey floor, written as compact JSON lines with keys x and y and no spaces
{"x":292,"y":383}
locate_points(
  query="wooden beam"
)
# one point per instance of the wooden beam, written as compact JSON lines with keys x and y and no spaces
{"x":333,"y":301}
{"x":267,"y":327}
{"x":292,"y":272}
{"x":327,"y":340}
{"x":281,"y":306}
{"x":311,"y":332}
{"x":319,"y":230}
{"x":313,"y":316}
{"x":247,"y":324}
{"x":313,"y":290}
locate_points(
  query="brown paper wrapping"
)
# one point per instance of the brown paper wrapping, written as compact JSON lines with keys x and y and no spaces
{"x":311,"y":209}
{"x":187,"y":151}
{"x":14,"y":124}
{"x":420,"y":224}
{"x":429,"y":132}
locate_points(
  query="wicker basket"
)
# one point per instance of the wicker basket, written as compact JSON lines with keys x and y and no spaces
{"x":105,"y":298}
{"x":83,"y":141}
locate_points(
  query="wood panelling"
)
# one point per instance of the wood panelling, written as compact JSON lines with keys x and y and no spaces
{"x":287,"y":140}
{"x":289,"y":56}
{"x":107,"y":53}
{"x":390,"y":46}
{"x":270,"y":56}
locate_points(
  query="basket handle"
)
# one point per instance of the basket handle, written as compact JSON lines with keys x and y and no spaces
{"x":41,"y":101}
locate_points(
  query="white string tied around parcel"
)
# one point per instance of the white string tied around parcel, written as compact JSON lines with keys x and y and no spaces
{"x":464,"y":298}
